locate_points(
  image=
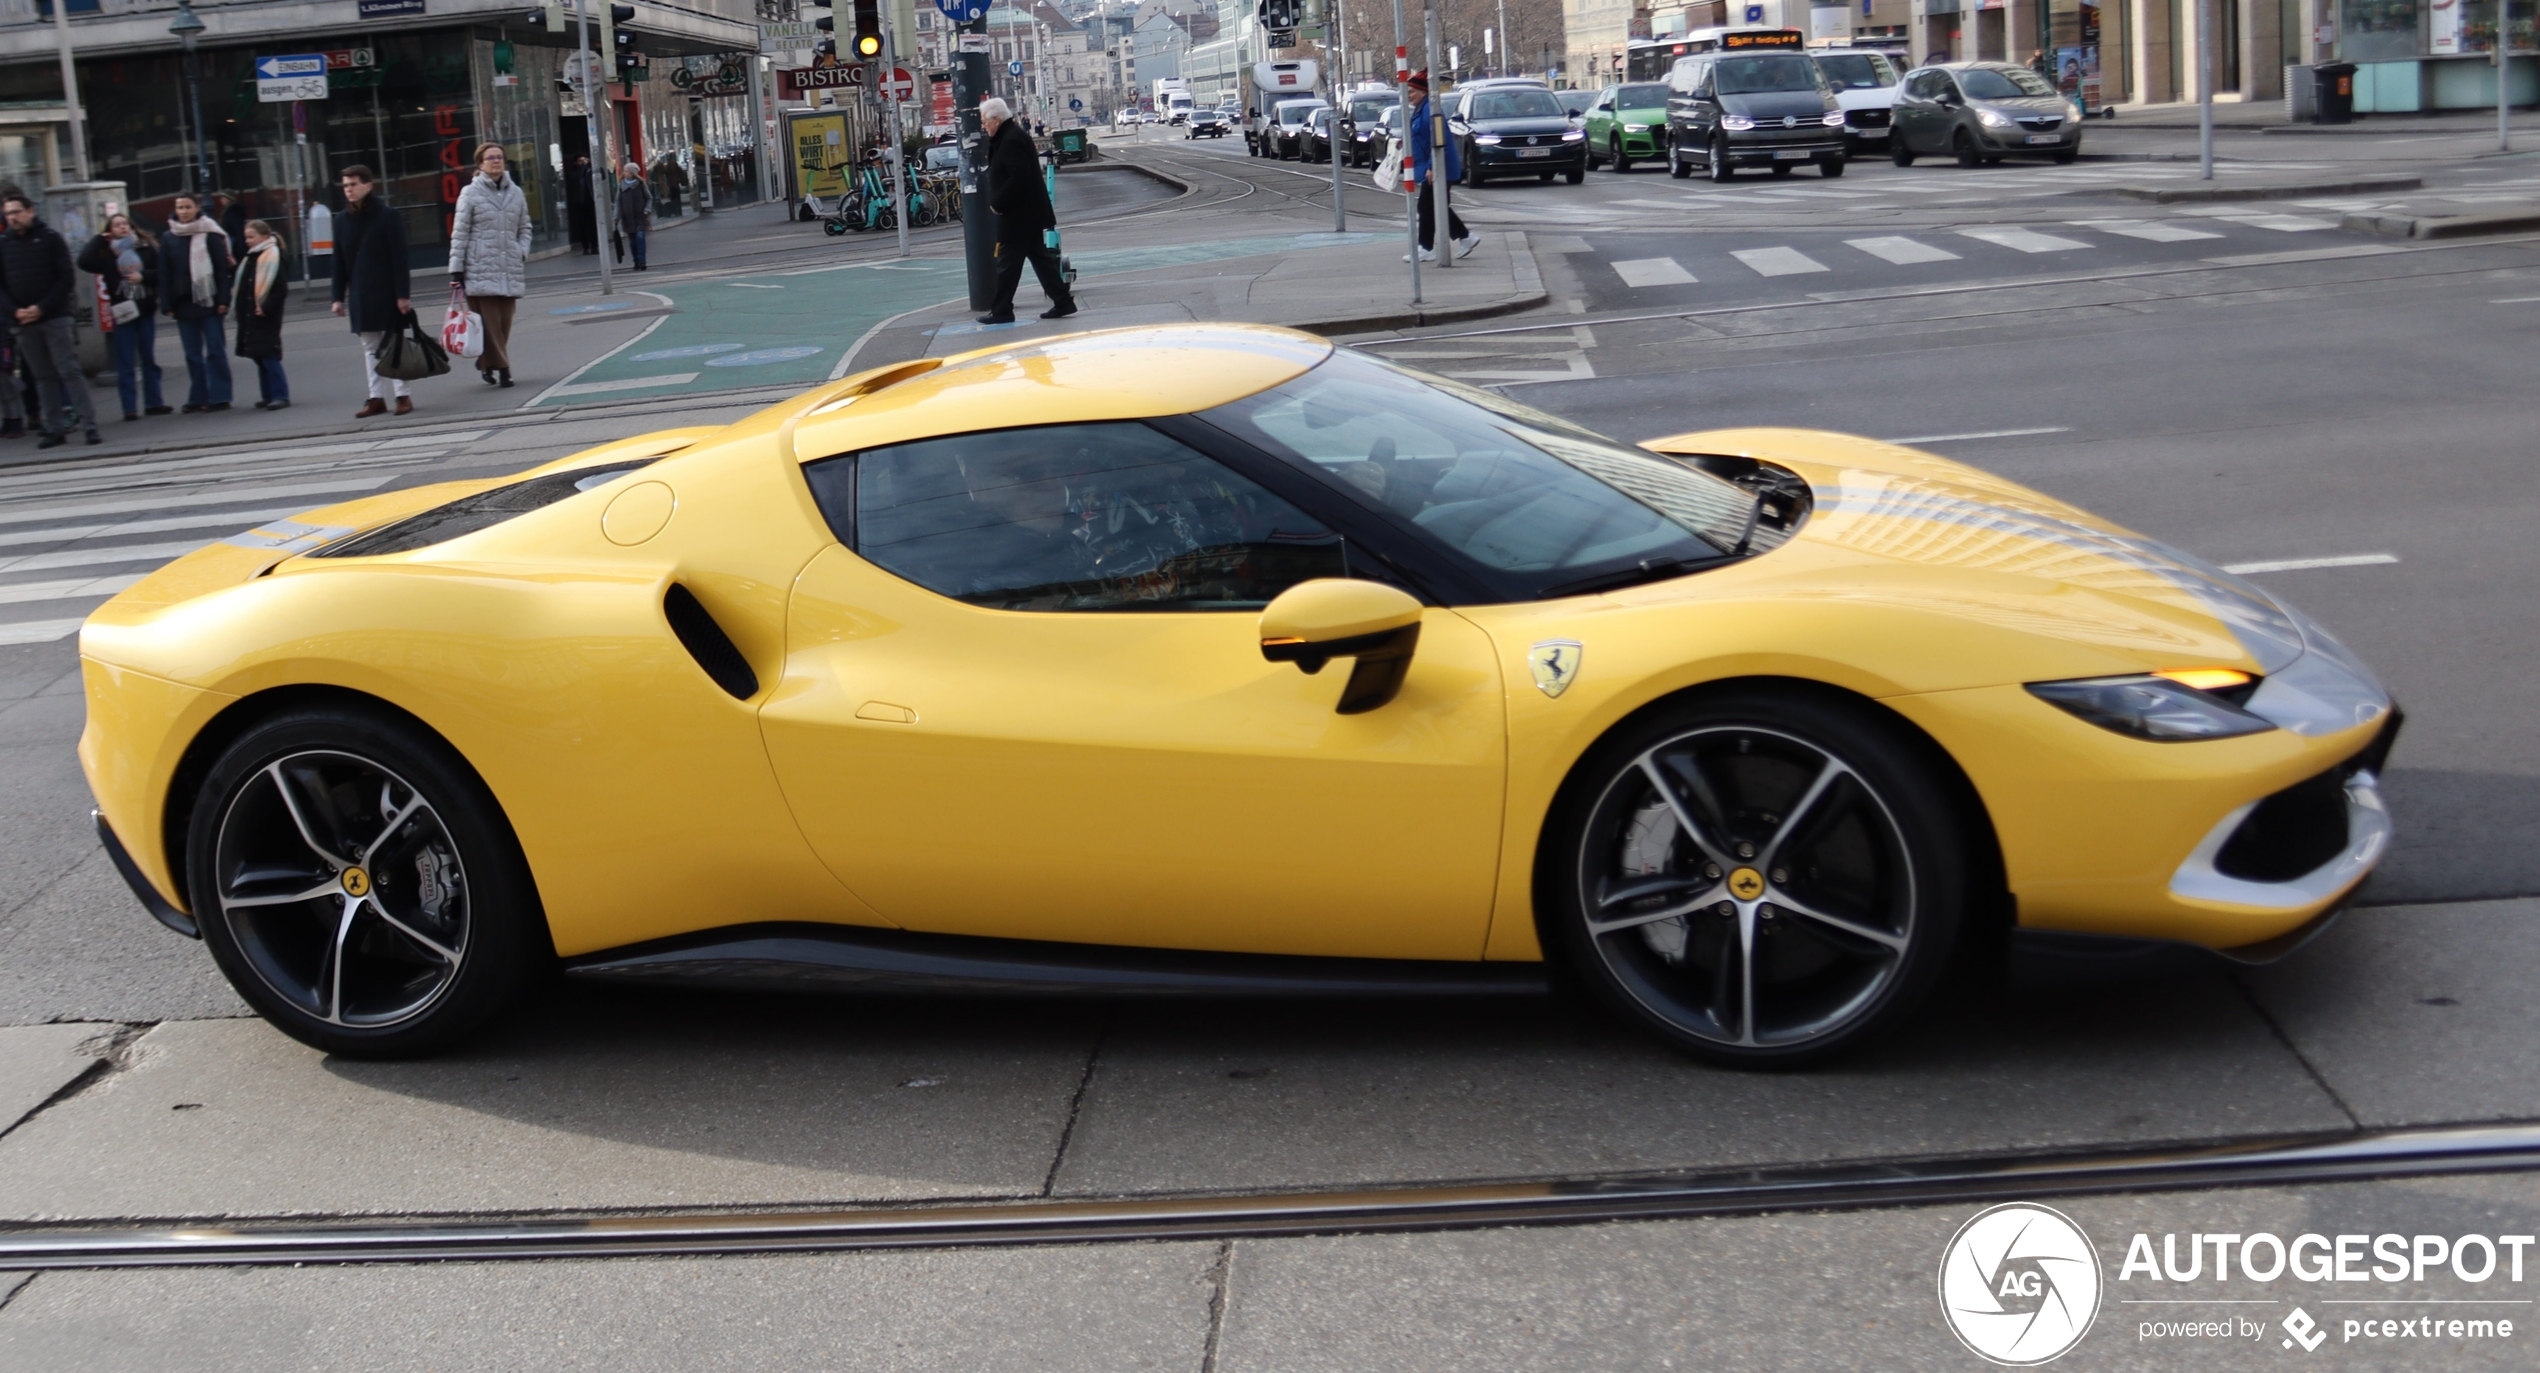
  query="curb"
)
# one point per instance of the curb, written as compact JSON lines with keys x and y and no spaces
{"x":1150,"y":173}
{"x":2442,"y":226}
{"x":1529,"y":294}
{"x":2360,"y":127}
{"x":2282,"y":190}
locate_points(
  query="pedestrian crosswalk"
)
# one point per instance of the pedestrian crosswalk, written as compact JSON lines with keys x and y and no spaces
{"x":74,"y":534}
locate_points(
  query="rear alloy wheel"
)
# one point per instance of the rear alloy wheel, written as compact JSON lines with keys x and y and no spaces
{"x":357,"y":885}
{"x":1720,"y":169}
{"x":1964,"y":146}
{"x":1762,"y":878}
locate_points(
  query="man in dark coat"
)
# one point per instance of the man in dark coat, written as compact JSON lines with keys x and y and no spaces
{"x":36,"y":287}
{"x":634,"y":211}
{"x":1024,"y":214}
{"x":578,"y":207}
{"x":373,"y":284}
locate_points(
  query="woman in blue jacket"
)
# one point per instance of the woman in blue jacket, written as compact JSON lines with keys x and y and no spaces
{"x":1465,"y":242}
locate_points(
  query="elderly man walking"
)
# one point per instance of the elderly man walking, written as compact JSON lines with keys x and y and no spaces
{"x":1024,"y":214}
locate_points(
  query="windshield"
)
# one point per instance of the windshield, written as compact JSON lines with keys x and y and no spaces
{"x":1368,"y":111}
{"x":1856,"y":71}
{"x":943,"y":159}
{"x":1295,"y":114}
{"x":1519,"y":104}
{"x":2002,"y":83}
{"x":1641,"y":98}
{"x":1781,"y":71}
{"x":1530,"y":502}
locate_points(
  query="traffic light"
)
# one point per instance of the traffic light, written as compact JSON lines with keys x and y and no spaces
{"x":550,"y":14}
{"x":868,"y":28}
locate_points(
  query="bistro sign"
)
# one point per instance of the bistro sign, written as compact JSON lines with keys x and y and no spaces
{"x":791,"y":83}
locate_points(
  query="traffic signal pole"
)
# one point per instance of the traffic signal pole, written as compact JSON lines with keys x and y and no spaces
{"x":595,"y":118}
{"x":978,"y":224}
{"x":1335,"y":45}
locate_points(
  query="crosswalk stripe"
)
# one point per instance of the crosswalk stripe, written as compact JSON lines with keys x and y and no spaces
{"x":2024,"y":240}
{"x":37,"y":631}
{"x":1778,"y":262}
{"x":1901,"y":251}
{"x":2289,"y":224}
{"x":164,"y":501}
{"x":1652,"y":271}
{"x":2150,"y":230}
{"x":226,"y":519}
{"x":16,"y":592}
{"x":98,"y":557}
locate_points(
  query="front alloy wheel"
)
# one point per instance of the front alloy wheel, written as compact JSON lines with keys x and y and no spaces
{"x":1720,"y":170}
{"x":1762,"y":879}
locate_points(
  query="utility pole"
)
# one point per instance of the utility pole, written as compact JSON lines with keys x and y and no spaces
{"x":2205,"y":89}
{"x":70,"y":90}
{"x":1334,"y":44}
{"x":2504,"y":77}
{"x":1503,"y":38}
{"x":594,"y":118}
{"x":899,"y":141}
{"x":978,"y":222}
{"x":1440,"y":239}
{"x":1402,"y":93}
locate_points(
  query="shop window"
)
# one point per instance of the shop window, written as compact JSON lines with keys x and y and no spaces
{"x":2377,"y":30}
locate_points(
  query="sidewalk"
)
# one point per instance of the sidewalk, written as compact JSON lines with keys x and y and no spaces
{"x":2267,"y":116}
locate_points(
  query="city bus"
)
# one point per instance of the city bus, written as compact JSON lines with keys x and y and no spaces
{"x":1650,"y":59}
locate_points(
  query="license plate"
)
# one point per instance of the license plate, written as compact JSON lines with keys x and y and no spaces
{"x":2037,"y":138}
{"x":1534,"y":152}
{"x":1790,"y":154}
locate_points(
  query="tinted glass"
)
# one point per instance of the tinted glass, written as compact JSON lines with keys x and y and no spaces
{"x":1086,"y":517}
{"x":1529,"y":501}
{"x":484,"y":510}
{"x":1367,"y":111}
{"x":1856,"y":71}
{"x":1517,"y":104}
{"x":1641,"y":98}
{"x":2003,"y":83}
{"x":1576,"y":102}
{"x":1786,"y":71}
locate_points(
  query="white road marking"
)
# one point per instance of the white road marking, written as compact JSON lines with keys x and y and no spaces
{"x":2515,"y":300}
{"x":166,"y":501}
{"x":2306,"y":564}
{"x":228,"y":519}
{"x":588,"y":388}
{"x":37,"y":631}
{"x":1653,"y":271}
{"x":65,"y":590}
{"x":2024,"y":240}
{"x":2150,"y":230}
{"x":1901,"y":251}
{"x":1983,"y":434}
{"x":1778,"y":262}
{"x":2289,"y":224}
{"x":95,"y":557}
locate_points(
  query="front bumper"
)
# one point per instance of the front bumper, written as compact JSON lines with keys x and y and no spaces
{"x":1812,"y":147}
{"x":2016,"y":140}
{"x":1542,"y":158}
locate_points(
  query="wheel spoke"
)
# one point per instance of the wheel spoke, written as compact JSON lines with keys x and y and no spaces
{"x":325,"y":888}
{"x":1746,"y":975}
{"x":335,"y":962}
{"x":1893,"y":943}
{"x":395,"y":822}
{"x":1647,"y":887}
{"x":1601,"y":928}
{"x":1693,"y":828}
{"x":299,"y":821}
{"x":1823,"y":782}
{"x":439,"y":951}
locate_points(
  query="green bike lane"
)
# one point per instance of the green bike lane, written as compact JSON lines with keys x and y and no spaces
{"x":801,"y":326}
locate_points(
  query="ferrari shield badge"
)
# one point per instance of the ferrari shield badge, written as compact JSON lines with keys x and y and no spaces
{"x":1555,"y":663}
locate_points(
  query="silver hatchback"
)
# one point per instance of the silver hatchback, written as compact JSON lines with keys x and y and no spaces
{"x":1982,"y":112}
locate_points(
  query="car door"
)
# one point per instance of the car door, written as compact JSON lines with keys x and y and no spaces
{"x":1026,"y":697}
{"x":1915,"y":110}
{"x":1600,"y":122}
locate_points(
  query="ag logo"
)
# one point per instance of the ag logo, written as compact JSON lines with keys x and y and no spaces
{"x":2019,"y":1284}
{"x":1555,"y":663}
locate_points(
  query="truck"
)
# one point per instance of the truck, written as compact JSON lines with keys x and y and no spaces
{"x":1173,"y":102}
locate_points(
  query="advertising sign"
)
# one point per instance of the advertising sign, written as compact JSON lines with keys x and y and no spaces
{"x":939,"y":105}
{"x":790,"y":84}
{"x":791,"y":35}
{"x":1283,"y":76}
{"x":819,"y":142}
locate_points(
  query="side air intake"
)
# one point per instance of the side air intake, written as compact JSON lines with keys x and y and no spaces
{"x":707,"y":643}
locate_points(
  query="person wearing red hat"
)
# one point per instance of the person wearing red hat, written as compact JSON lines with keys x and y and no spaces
{"x":1465,"y":242}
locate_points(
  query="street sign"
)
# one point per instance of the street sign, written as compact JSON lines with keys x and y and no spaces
{"x":338,"y":59}
{"x":976,"y":42}
{"x":389,"y":9}
{"x":790,"y":83}
{"x":901,"y":84}
{"x":1075,"y":104}
{"x":963,"y":11}
{"x":298,"y":77}
{"x":1014,"y":68}
{"x":1755,"y":14}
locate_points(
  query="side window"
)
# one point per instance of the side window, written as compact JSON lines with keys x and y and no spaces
{"x":1087,"y":517}
{"x":1926,"y":85}
{"x":1702,"y":81}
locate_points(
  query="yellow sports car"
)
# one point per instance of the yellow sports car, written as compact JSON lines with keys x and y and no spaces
{"x":1213,"y":660}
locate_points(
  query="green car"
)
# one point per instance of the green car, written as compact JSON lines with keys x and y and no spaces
{"x":1627,"y":124}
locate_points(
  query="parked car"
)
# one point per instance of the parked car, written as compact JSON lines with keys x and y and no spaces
{"x":1209,"y":124}
{"x":1983,"y":112}
{"x":1865,"y":84}
{"x":1261,"y":138}
{"x":1626,"y":123}
{"x":1314,"y":139}
{"x":1511,"y":129}
{"x":1365,"y":126}
{"x":1287,"y":130}
{"x":1771,"y":109}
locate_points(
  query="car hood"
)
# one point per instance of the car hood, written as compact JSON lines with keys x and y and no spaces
{"x":1642,"y":114}
{"x":1879,"y":98}
{"x":1913,"y":528}
{"x":1763,"y":105}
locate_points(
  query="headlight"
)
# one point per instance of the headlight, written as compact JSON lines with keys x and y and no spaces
{"x":1572,"y":136}
{"x":1835,"y":120}
{"x":1993,"y":119}
{"x":1736,"y":121}
{"x":2159,"y":708}
{"x":2078,"y":116}
{"x":1486,"y":138}
{"x":1635,"y":128}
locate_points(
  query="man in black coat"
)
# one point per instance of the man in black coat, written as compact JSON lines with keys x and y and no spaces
{"x":35,"y":291}
{"x":579,"y":209}
{"x":1024,"y":214}
{"x":373,"y":283}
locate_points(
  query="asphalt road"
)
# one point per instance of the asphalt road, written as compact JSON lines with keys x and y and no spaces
{"x":2337,"y":403}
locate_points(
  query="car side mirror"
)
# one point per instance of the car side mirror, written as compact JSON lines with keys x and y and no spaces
{"x":1311,"y":623}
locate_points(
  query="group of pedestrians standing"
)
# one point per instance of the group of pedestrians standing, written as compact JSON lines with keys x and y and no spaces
{"x":632,"y":200}
{"x":226,"y":286}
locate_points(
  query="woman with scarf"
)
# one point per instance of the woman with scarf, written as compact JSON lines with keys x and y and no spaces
{"x":257,"y":305}
{"x":194,"y":275}
{"x":489,"y":255}
{"x":125,"y":261}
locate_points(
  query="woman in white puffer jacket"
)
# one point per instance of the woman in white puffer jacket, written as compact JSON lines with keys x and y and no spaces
{"x":489,"y":256}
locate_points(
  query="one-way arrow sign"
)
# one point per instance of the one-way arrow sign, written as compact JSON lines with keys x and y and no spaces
{"x":276,"y":68}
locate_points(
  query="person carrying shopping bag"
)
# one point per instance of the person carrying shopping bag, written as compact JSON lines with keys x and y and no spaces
{"x":489,"y":255}
{"x":194,"y":275}
{"x":634,"y":209}
{"x":1465,"y":242}
{"x":124,"y":258}
{"x":1024,"y":216}
{"x":374,"y":283}
{"x":257,"y":306}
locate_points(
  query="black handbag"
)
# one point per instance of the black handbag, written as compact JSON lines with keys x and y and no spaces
{"x":411,"y":354}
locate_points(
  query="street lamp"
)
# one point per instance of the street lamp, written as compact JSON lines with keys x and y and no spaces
{"x":187,"y":24}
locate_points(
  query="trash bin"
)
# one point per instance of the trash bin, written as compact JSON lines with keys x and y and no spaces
{"x":2336,"y":99}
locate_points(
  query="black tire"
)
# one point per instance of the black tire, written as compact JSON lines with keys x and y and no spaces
{"x":1897,"y":152}
{"x":1832,"y":166}
{"x":1677,"y":167}
{"x":1827,"y":835}
{"x":1716,"y":162}
{"x":1622,"y":164}
{"x":1472,"y":171}
{"x":1545,"y":178}
{"x":1963,"y":147}
{"x":1784,"y":168}
{"x":1576,"y":174}
{"x":2067,"y":157}
{"x":395,"y":948}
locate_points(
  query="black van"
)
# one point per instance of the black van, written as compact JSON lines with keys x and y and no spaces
{"x":1727,"y":110}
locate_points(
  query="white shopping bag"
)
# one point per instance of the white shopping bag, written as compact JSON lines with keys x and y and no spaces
{"x":462,"y":329}
{"x":1389,"y":171}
